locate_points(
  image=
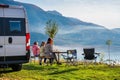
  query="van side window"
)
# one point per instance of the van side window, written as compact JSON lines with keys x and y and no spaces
{"x":1,"y":27}
{"x":0,"y":31}
{"x":15,"y":26}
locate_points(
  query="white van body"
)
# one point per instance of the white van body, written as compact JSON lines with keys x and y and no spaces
{"x":14,"y":37}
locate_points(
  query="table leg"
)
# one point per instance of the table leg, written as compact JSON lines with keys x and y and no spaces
{"x":58,"y":57}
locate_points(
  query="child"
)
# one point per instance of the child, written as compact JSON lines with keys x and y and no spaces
{"x":35,"y":49}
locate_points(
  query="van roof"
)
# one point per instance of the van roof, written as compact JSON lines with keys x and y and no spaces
{"x":10,"y":6}
{"x":12,"y":11}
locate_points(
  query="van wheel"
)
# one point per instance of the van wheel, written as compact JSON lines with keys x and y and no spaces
{"x":16,"y":67}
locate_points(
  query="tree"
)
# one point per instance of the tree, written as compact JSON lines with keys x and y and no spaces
{"x":51,"y":28}
{"x":109,"y":42}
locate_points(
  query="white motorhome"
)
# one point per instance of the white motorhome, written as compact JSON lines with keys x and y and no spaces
{"x":14,"y":37}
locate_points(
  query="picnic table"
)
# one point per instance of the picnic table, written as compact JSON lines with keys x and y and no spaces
{"x":58,"y":55}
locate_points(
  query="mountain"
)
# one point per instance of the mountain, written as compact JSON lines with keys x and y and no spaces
{"x":39,"y":17}
{"x":72,"y":31}
{"x":55,"y":12}
{"x":116,"y":30}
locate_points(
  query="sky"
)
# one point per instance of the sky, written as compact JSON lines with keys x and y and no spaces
{"x":102,"y":12}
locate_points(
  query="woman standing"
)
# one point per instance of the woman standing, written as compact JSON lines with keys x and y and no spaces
{"x":42,"y":52}
{"x":49,"y":51}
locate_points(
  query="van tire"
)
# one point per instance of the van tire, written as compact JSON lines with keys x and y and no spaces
{"x":16,"y":67}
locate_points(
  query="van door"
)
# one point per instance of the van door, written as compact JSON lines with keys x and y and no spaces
{"x":1,"y":41}
{"x":15,"y":43}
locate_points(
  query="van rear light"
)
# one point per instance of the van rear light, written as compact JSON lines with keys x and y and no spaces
{"x":27,"y":41}
{"x":4,"y":6}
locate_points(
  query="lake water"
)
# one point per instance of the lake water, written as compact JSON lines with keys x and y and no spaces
{"x":114,"y":51}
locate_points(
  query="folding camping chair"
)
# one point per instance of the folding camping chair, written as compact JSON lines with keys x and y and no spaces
{"x":70,"y":57}
{"x":89,"y":54}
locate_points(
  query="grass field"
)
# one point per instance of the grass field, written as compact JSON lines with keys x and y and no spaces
{"x":62,"y":72}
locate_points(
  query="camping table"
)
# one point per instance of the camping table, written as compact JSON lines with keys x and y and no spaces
{"x":58,"y":55}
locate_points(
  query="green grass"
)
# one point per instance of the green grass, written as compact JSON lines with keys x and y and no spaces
{"x":62,"y":72}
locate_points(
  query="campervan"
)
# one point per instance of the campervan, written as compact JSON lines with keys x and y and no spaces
{"x":14,"y":37}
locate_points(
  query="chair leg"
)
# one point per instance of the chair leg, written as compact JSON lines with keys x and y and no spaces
{"x":85,"y":63}
{"x":75,"y":62}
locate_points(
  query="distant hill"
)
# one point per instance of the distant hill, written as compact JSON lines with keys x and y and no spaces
{"x":71,"y":30}
{"x":116,"y":30}
{"x":54,"y":12}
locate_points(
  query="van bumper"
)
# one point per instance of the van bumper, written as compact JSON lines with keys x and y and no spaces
{"x":14,"y":59}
